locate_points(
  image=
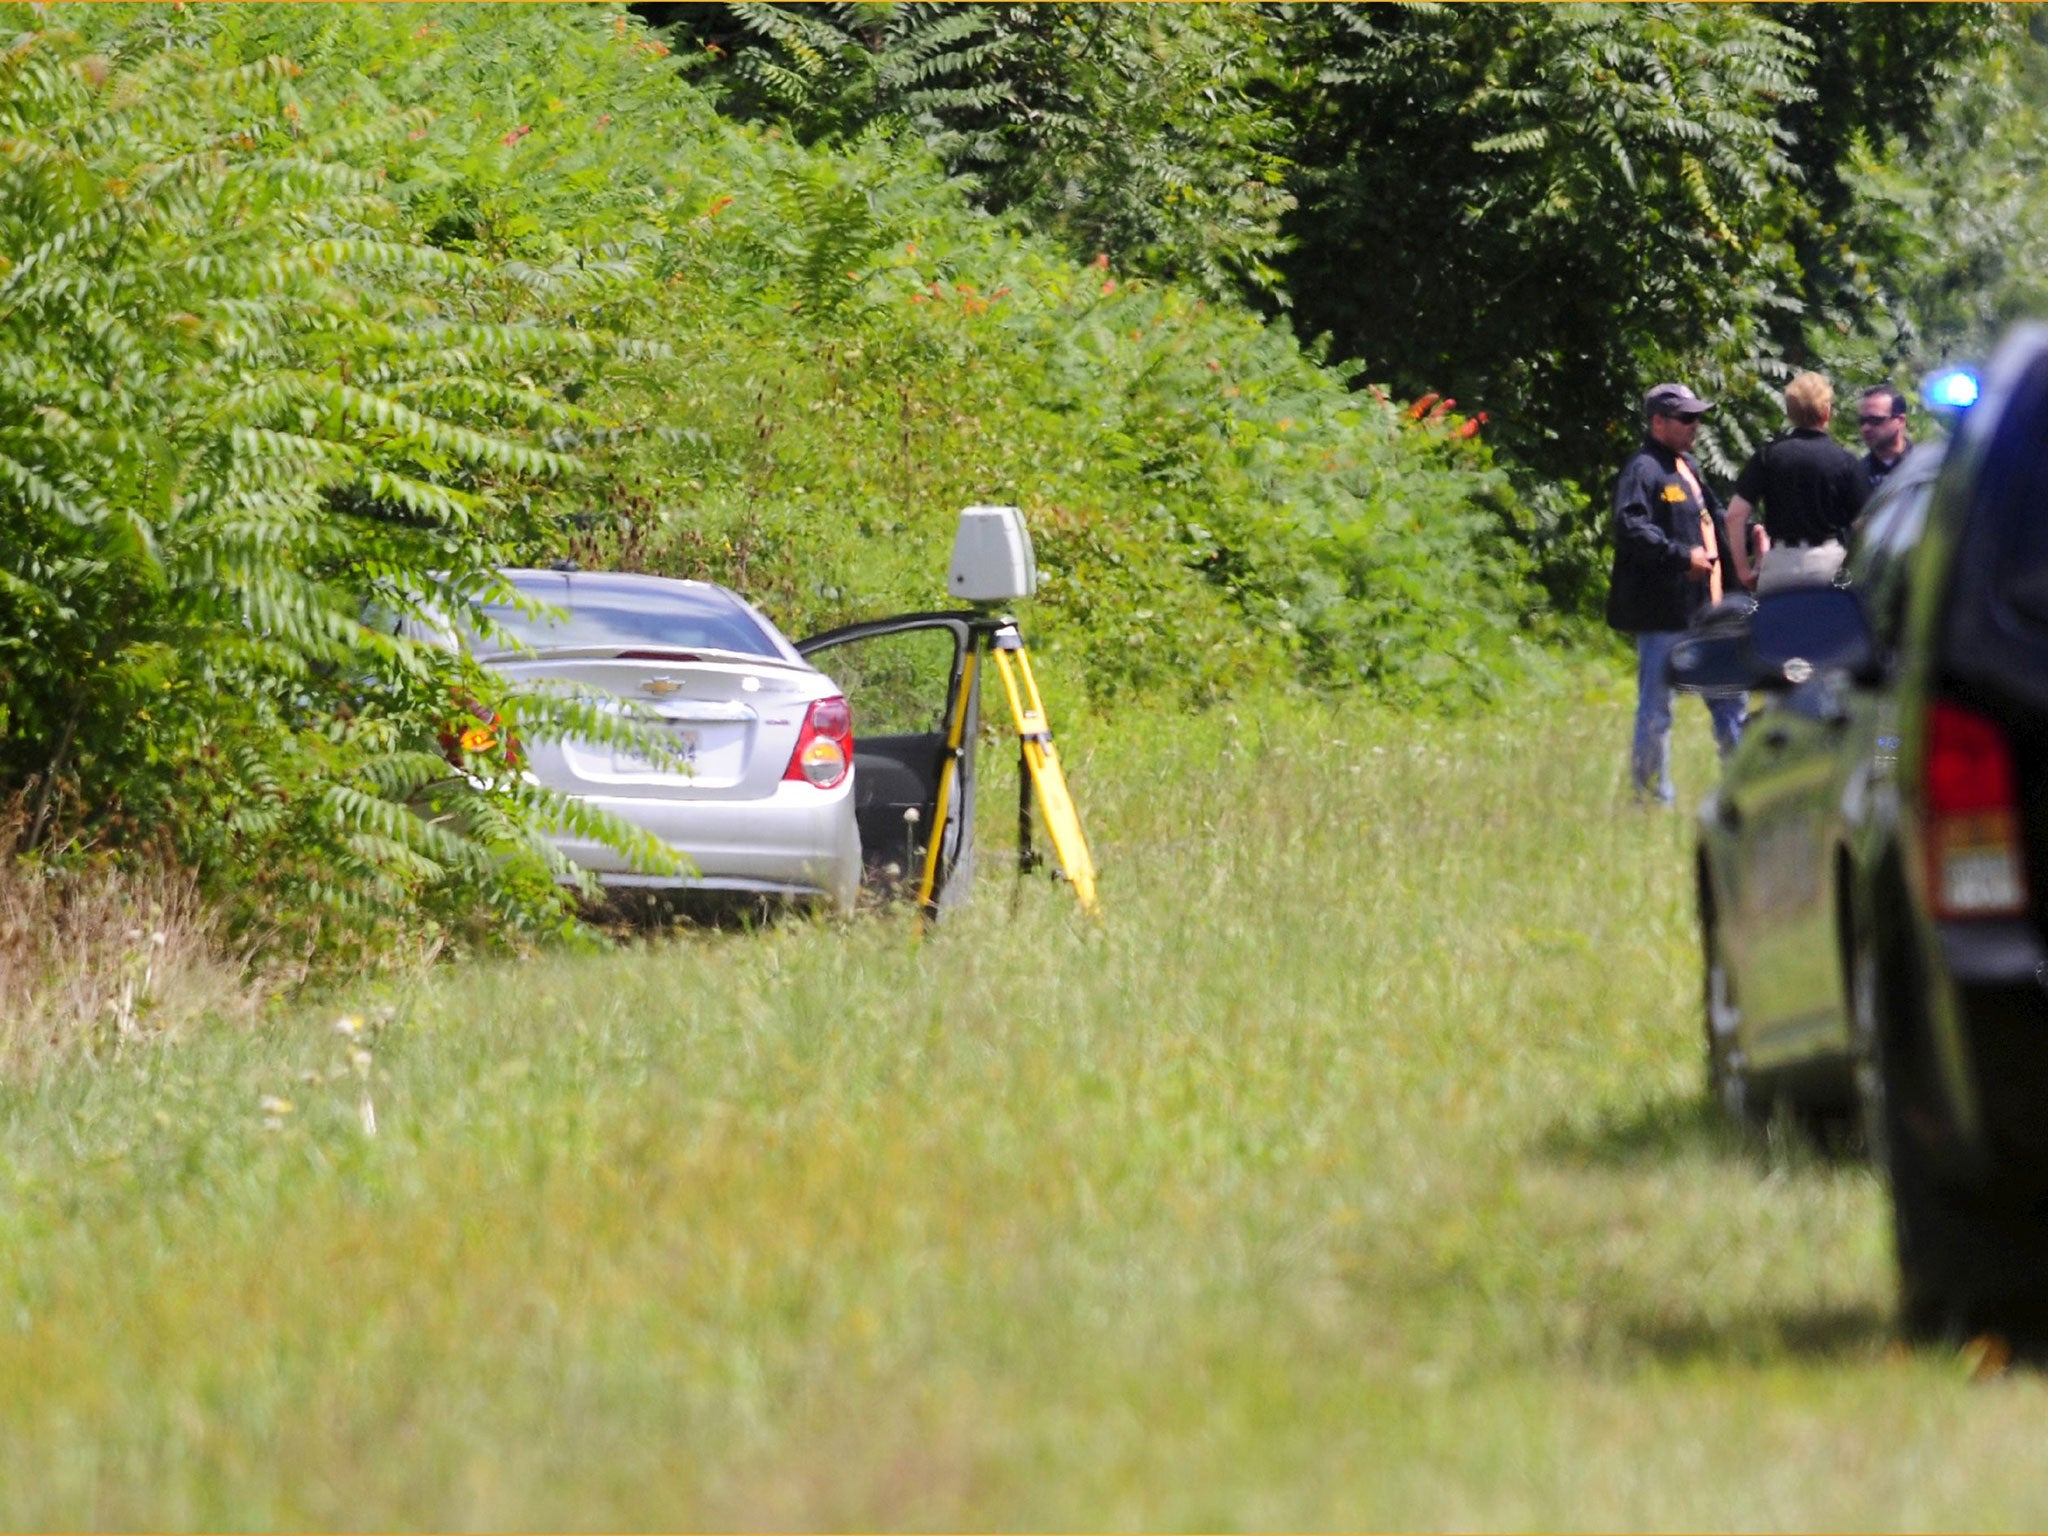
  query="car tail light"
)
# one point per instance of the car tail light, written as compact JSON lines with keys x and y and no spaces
{"x":824,"y":747}
{"x":1972,"y":824}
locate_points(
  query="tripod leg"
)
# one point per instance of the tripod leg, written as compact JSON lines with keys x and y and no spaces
{"x":1028,"y":857}
{"x":1063,"y":825}
{"x":1042,"y":767}
{"x":956,"y":726}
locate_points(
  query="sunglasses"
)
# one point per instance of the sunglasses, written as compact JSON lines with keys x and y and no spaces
{"x":1689,"y":418}
{"x":1874,"y":421}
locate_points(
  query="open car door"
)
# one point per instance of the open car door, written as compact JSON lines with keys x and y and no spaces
{"x":902,"y":678}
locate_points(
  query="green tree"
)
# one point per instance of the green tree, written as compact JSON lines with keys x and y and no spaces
{"x":1538,"y":208}
{"x":1877,"y":77}
{"x":1963,"y":206}
{"x":1543,"y":209}
{"x":1144,"y":131}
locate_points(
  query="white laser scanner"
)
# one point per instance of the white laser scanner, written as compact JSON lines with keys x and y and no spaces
{"x":992,"y":559}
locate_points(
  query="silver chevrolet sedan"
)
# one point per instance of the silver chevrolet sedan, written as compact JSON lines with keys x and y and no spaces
{"x":763,"y":798}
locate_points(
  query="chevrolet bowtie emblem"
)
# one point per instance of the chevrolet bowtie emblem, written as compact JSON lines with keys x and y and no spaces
{"x":661,"y":686}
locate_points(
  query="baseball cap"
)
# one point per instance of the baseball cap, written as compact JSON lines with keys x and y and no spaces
{"x":1673,"y":400}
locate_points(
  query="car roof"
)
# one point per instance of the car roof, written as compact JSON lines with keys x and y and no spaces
{"x":595,"y":582}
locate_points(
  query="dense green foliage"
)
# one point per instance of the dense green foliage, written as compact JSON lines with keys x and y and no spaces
{"x":1969,"y":207}
{"x":1142,"y":130}
{"x":1560,"y":204}
{"x":1881,"y":81}
{"x":236,"y":403}
{"x":307,"y":307}
{"x":1604,"y":196}
{"x":1537,"y":209}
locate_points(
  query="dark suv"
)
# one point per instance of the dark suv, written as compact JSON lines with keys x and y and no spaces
{"x":1872,"y":866}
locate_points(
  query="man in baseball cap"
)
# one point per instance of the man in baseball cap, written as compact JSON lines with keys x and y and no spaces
{"x":1674,"y":400}
{"x":1669,"y":536}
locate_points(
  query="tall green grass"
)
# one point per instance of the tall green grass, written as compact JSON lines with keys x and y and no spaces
{"x":1351,"y":1172}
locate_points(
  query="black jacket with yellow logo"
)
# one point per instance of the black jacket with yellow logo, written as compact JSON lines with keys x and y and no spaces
{"x":1656,"y":528}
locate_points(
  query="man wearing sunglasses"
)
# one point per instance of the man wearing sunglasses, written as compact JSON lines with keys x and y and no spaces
{"x":1669,"y":540}
{"x":1881,"y":419}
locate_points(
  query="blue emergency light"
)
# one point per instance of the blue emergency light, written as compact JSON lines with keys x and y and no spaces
{"x":1952,"y":389}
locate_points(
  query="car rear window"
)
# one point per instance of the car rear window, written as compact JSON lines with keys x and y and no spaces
{"x":669,"y":617}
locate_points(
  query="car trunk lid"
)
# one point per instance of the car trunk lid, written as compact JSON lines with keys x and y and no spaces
{"x":734,"y":721}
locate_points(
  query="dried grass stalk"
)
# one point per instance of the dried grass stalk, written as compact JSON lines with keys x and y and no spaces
{"x":92,"y":954}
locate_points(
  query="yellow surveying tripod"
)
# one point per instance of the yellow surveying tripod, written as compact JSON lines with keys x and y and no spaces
{"x":1038,"y":765}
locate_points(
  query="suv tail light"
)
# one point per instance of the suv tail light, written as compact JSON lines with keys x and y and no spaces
{"x":824,"y":747}
{"x":1972,"y":824}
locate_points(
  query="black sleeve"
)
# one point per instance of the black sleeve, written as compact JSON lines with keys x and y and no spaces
{"x":1749,"y":485}
{"x":1856,"y":488}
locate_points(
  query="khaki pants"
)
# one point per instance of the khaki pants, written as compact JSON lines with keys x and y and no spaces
{"x":1811,"y":565}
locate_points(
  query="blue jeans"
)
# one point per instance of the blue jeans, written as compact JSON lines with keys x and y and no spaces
{"x":1650,"y":761}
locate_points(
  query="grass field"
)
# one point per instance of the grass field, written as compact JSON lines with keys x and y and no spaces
{"x":1352,"y":1173}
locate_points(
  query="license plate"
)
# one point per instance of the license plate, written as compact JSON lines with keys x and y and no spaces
{"x":682,"y":742}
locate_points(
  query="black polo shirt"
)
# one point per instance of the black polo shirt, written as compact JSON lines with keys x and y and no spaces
{"x":1809,"y":487}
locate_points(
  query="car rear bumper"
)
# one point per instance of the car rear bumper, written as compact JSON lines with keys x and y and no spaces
{"x":2005,"y":953}
{"x":799,"y":841}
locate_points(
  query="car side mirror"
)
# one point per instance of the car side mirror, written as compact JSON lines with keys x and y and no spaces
{"x":1800,"y":631}
{"x":1716,"y":666}
{"x":1717,"y":656}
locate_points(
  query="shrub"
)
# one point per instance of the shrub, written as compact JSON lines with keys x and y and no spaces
{"x":236,"y":403}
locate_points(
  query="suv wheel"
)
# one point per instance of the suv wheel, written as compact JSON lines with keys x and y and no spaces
{"x":1972,"y":1254}
{"x":1863,"y":1045}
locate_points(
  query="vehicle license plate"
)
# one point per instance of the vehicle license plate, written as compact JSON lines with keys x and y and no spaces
{"x":683,"y":743}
